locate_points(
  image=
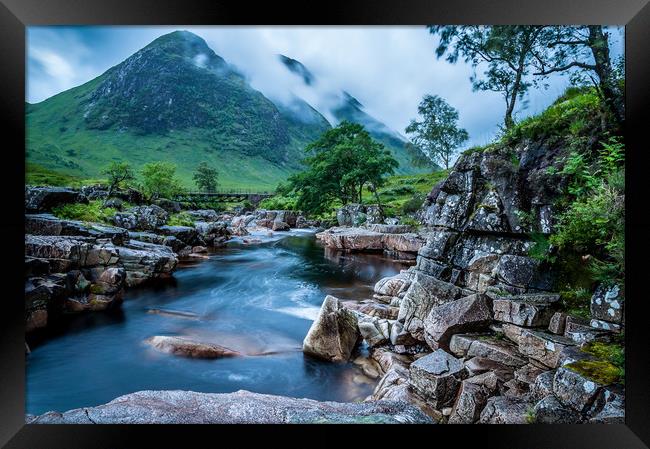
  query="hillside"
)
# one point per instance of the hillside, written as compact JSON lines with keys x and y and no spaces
{"x":173,"y":100}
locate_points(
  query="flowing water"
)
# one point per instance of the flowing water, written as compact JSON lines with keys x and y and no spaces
{"x":259,"y":299}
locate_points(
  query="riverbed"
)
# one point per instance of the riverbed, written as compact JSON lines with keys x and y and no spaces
{"x":258,"y":298}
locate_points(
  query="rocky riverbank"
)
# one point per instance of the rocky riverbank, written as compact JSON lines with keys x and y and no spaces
{"x":473,"y":332}
{"x":73,"y":266}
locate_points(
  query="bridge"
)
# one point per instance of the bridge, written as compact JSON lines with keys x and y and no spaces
{"x":223,"y":196}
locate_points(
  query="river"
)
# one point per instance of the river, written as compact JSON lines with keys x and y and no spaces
{"x":259,"y":299}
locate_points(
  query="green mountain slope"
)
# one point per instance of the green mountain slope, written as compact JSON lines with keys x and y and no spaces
{"x":174,"y":100}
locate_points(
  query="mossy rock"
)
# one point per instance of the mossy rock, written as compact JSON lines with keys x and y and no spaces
{"x":600,"y":371}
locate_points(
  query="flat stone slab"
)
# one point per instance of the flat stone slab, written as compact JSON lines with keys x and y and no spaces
{"x":437,"y":377}
{"x":543,"y":347}
{"x":241,"y":407}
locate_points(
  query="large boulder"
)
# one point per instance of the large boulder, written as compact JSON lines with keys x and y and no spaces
{"x":44,"y":199}
{"x":574,"y":389}
{"x":241,"y":407}
{"x":144,"y":218}
{"x":437,"y":377}
{"x":468,"y":314}
{"x":551,"y":411}
{"x":334,"y":333}
{"x":424,"y":293}
{"x":188,"y":347}
{"x":208,"y":215}
{"x":145,"y":261}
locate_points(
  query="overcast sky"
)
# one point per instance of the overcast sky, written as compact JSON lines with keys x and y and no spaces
{"x":388,"y":69}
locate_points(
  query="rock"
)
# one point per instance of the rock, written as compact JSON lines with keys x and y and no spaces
{"x":515,"y":389}
{"x":372,"y":308}
{"x":459,"y":343}
{"x":470,"y":402}
{"x":551,"y":411}
{"x":518,"y":271}
{"x":351,"y":215}
{"x":241,"y":407}
{"x":144,"y":261}
{"x":437,"y":377}
{"x":512,"y":332}
{"x":393,"y":286}
{"x":374,"y":331}
{"x":46,"y":224}
{"x":468,"y":314}
{"x":147,"y":237}
{"x":528,"y":373}
{"x":289,"y":217}
{"x":388,"y":229}
{"x":480,"y":365}
{"x":388,"y":359}
{"x":168,"y":205}
{"x":187,"y":347}
{"x":575,"y":390}
{"x":497,"y":350}
{"x":145,"y":218}
{"x":607,"y":304}
{"x":44,"y":199}
{"x":505,"y":410}
{"x":44,"y":299}
{"x":557,"y":323}
{"x":360,"y":239}
{"x":280,"y":226}
{"x":424,"y":293}
{"x":64,"y":253}
{"x":369,"y":366}
{"x":543,"y":347}
{"x":609,"y":407}
{"x":175,"y":244}
{"x":543,"y":386}
{"x":207,"y":215}
{"x":605,"y":326}
{"x":333,"y":334}
{"x":580,"y":331}
{"x":525,"y":310}
{"x":242,"y":220}
{"x":185,"y":234}
{"x":199,"y":250}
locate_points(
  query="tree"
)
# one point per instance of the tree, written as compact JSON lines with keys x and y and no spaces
{"x":159,"y":180}
{"x":340,"y":163}
{"x":565,"y":48}
{"x":437,"y":135}
{"x":205,"y":177}
{"x":506,"y":49}
{"x":118,"y":173}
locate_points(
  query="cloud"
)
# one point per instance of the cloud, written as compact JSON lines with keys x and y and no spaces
{"x":388,"y":69}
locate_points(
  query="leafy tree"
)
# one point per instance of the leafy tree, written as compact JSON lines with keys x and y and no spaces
{"x":159,"y":180}
{"x":205,"y":177}
{"x":437,"y":135}
{"x":341,"y":162}
{"x":566,"y":48}
{"x":118,"y":173}
{"x":508,"y":51}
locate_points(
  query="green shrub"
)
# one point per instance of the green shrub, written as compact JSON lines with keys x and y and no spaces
{"x":94,"y":211}
{"x":414,"y":204}
{"x":279,"y":202}
{"x":408,"y":221}
{"x":180,"y":219}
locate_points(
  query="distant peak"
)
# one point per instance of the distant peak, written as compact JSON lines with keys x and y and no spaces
{"x":298,"y":68}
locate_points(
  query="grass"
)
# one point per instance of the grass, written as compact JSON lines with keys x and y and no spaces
{"x":93,"y":212}
{"x":180,"y":219}
{"x":399,"y":190}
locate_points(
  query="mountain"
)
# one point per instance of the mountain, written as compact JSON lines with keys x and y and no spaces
{"x":173,"y":100}
{"x":350,"y":109}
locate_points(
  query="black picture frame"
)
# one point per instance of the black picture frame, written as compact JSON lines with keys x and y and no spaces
{"x":15,"y":15}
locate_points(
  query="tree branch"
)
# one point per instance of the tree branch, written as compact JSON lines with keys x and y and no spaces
{"x":566,"y":67}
